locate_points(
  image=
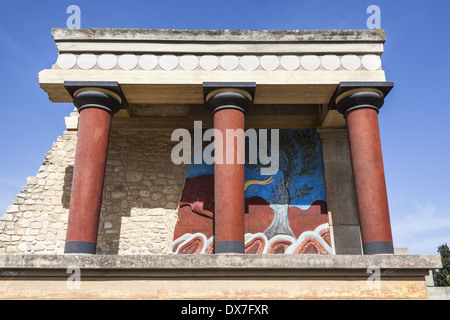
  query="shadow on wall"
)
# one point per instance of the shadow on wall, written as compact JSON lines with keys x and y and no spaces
{"x":67,"y":187}
{"x":142,"y":187}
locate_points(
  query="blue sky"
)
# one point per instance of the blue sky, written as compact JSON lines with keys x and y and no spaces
{"x":413,"y":123}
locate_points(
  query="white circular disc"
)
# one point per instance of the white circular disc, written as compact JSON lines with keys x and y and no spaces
{"x":87,"y":61}
{"x":188,"y":62}
{"x":310,"y":62}
{"x":209,"y":62}
{"x":249,"y":62}
{"x":331,"y":62}
{"x":351,"y":62}
{"x":371,"y":62}
{"x":128,"y":61}
{"x":107,"y":61}
{"x":66,"y":61}
{"x":270,"y":62}
{"x":229,"y":62}
{"x":168,"y":62}
{"x":148,"y":61}
{"x":290,"y":62}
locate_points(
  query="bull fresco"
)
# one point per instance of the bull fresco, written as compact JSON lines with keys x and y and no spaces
{"x":285,"y":213}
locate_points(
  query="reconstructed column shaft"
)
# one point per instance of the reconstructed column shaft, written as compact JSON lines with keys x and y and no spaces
{"x":229,"y":189}
{"x":229,"y":107}
{"x":361,"y":112}
{"x":96,"y":109}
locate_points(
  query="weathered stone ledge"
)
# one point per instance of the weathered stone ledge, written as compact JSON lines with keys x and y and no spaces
{"x":215,"y":277}
{"x":64,"y":34}
{"x":301,"y":265}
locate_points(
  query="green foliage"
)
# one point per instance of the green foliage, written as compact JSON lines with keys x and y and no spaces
{"x":442,"y":276}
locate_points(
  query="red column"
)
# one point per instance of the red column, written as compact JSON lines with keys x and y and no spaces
{"x":229,"y":102}
{"x":361,"y":113}
{"x":96,"y":110}
{"x":229,"y":189}
{"x":368,"y":173}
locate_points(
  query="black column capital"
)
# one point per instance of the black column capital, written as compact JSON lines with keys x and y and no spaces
{"x":101,"y":95}
{"x":229,"y":95}
{"x":350,"y":96}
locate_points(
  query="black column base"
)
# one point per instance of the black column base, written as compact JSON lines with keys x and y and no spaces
{"x":229,"y":247}
{"x":82,"y":247}
{"x":378,"y":247}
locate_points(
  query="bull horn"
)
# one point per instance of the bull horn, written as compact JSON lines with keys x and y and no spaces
{"x":261,"y":182}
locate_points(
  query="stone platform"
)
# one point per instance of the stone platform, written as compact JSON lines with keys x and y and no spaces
{"x":215,"y":276}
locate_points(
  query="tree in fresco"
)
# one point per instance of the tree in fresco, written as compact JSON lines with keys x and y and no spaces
{"x":298,"y":157}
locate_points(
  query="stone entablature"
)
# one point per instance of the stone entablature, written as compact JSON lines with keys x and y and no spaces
{"x":189,"y":62}
{"x":152,"y":66}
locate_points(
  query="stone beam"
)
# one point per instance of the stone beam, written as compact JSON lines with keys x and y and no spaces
{"x":169,"y":66}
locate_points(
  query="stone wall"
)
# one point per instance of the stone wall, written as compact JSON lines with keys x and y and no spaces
{"x":141,"y":194}
{"x":341,"y":196}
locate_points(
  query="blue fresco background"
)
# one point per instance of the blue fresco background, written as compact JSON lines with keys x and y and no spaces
{"x":315,"y":180}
